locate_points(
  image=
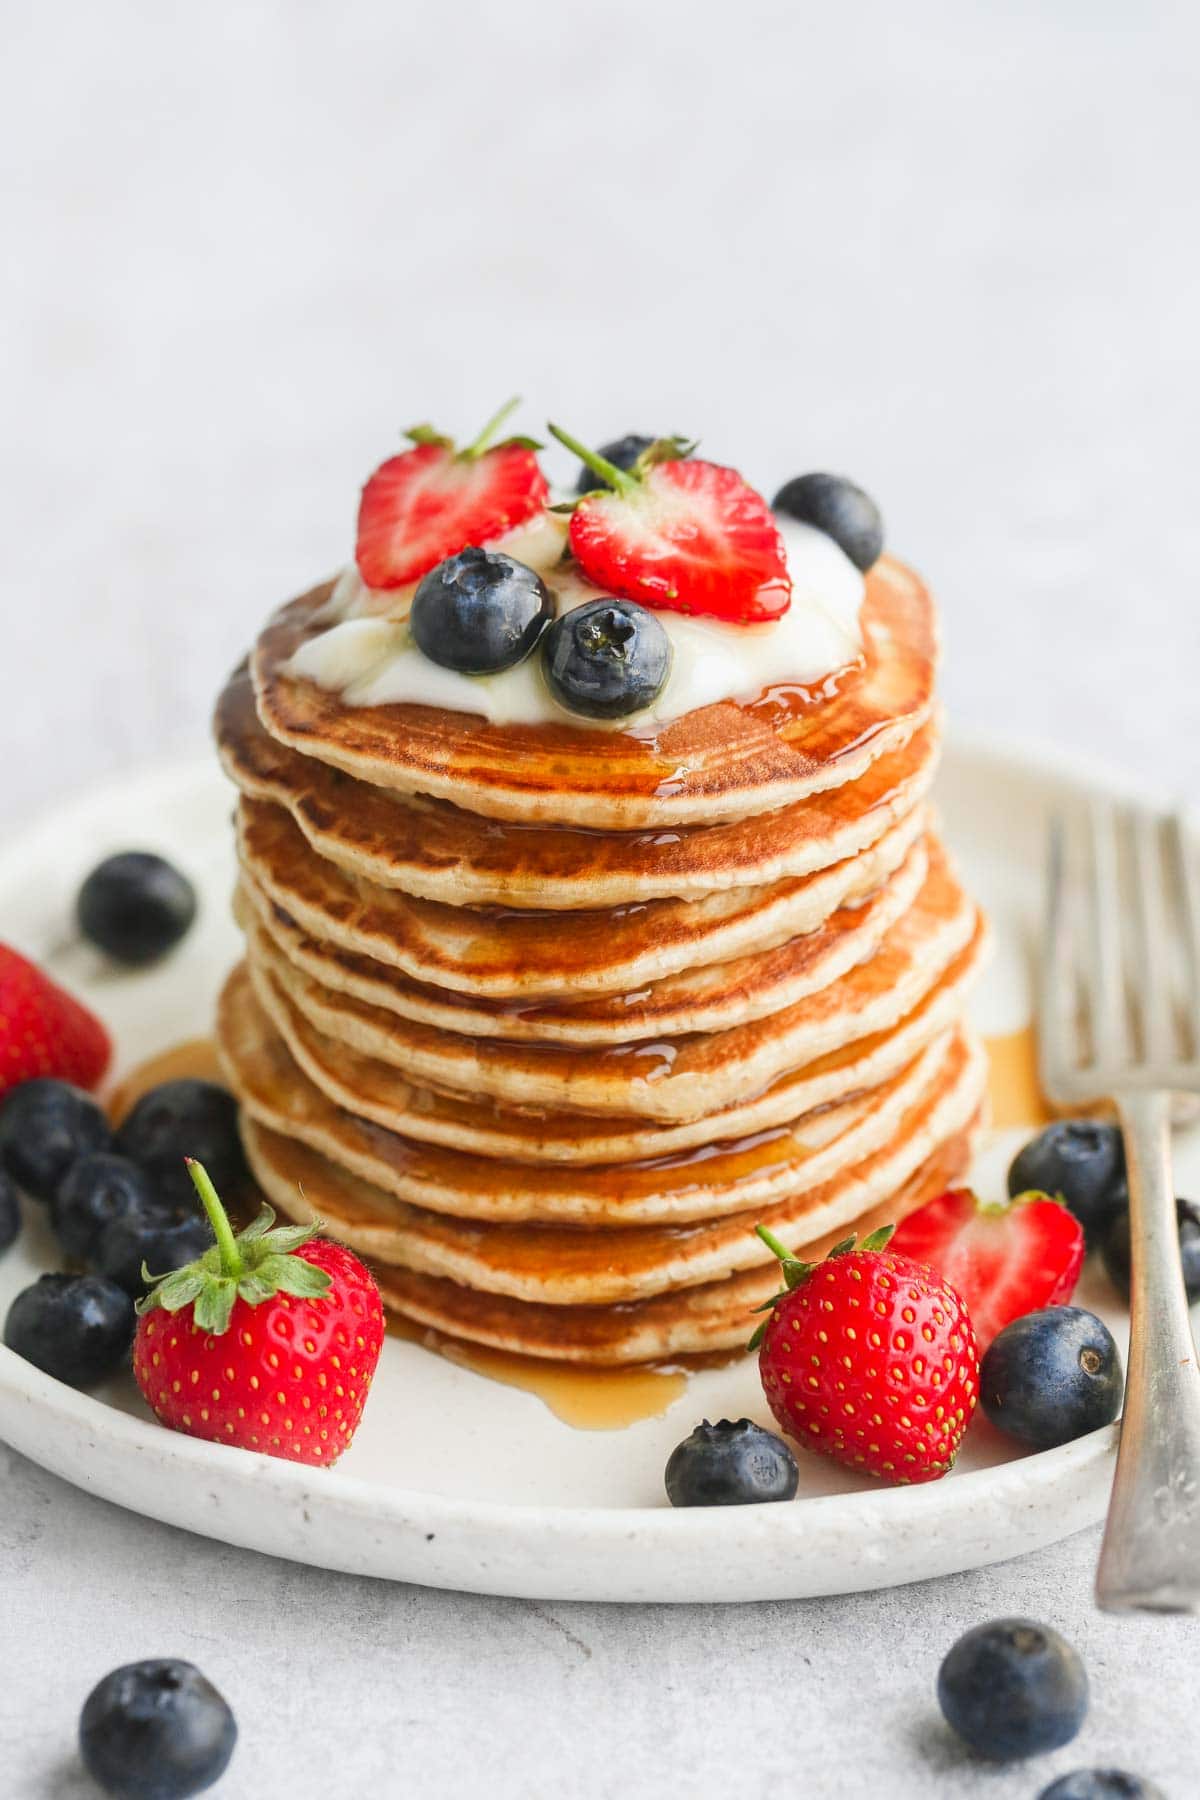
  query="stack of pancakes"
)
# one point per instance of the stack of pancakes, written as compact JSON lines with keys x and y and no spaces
{"x":543,"y":1020}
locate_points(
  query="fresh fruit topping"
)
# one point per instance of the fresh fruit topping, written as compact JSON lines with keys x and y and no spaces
{"x":839,"y":509}
{"x":96,"y":1190}
{"x":870,"y":1358}
{"x":1080,"y":1161}
{"x":682,"y":536}
{"x":10,"y":1212}
{"x":77,"y":1328}
{"x":1052,"y":1377}
{"x":429,"y":502}
{"x":135,"y":907}
{"x":607,"y":659}
{"x":151,"y":1237}
{"x":730,"y":1464}
{"x":45,"y":1127}
{"x":156,"y":1730}
{"x":1003,"y":1260}
{"x":178,"y":1119}
{"x":268,"y":1341}
{"x":44,"y":1030}
{"x":1013,"y":1688}
{"x":1101,"y":1784}
{"x":621,"y":452}
{"x":1115,"y":1250}
{"x":479,"y":612}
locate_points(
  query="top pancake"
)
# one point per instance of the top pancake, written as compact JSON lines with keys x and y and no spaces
{"x":725,"y":761}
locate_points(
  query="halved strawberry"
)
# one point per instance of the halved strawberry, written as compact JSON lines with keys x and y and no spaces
{"x":1005,"y":1261}
{"x":422,"y":506}
{"x":680,"y":536}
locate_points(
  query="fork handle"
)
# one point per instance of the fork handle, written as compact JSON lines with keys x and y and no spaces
{"x":1150,"y":1556}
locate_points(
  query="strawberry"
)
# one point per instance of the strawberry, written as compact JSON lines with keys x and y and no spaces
{"x":680,"y":536}
{"x":426,"y":504}
{"x":1004,"y":1260}
{"x":269,"y":1341}
{"x":869,"y":1358}
{"x":44,"y":1030}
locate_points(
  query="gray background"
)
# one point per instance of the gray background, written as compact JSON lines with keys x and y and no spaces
{"x":950,"y":249}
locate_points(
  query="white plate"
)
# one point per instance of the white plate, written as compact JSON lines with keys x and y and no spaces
{"x":456,"y":1480}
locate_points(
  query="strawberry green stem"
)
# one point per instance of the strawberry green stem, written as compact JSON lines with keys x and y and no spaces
{"x":231,"y":1257}
{"x":478,"y":445}
{"x":773,"y":1244}
{"x":620,"y":480}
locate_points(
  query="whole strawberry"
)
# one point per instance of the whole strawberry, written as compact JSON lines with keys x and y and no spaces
{"x":869,"y":1358}
{"x":269,"y":1341}
{"x":44,"y":1030}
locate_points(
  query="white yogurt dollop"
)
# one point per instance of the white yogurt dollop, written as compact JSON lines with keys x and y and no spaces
{"x":368,"y":656}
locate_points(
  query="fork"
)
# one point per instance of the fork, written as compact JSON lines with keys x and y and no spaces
{"x":1120,"y":1021}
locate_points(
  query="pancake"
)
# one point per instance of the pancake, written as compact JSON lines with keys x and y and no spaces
{"x":726,"y":761}
{"x":509,"y":954}
{"x":566,"y":1266}
{"x":440,"y":852}
{"x":712,"y":998}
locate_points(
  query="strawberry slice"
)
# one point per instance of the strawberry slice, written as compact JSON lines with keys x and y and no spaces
{"x":1005,"y":1261}
{"x":680,"y":536}
{"x":426,"y":504}
{"x":44,"y":1030}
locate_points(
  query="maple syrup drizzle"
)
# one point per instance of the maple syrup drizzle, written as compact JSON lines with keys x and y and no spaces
{"x":1013,"y":1090}
{"x":196,"y":1059}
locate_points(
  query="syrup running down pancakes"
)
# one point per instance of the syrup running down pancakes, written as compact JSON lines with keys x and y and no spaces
{"x":542,"y":1013}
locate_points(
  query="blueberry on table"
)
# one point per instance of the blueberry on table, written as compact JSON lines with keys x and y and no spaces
{"x":152,"y":1238}
{"x":45,"y":1126}
{"x":731,"y":1463}
{"x":96,"y":1190}
{"x":184,"y":1118}
{"x":1013,"y":1688}
{"x":479,"y":612}
{"x":1081,"y":1161}
{"x":622,"y":452}
{"x":78,"y":1328}
{"x":10,"y":1211}
{"x":839,"y":509}
{"x":135,"y":907}
{"x":156,"y":1730}
{"x":1101,"y":1784}
{"x":1116,"y":1254}
{"x":1052,"y":1376}
{"x":607,"y":659}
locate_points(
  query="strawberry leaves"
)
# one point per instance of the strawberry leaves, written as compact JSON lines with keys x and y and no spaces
{"x":796,"y":1272}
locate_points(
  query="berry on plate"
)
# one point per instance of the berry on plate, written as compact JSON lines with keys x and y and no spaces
{"x":96,"y":1190}
{"x":680,"y":535}
{"x":44,"y":1030}
{"x":10,"y":1211}
{"x":1003,"y":1260}
{"x":731,"y":1463}
{"x":429,"y":502}
{"x":77,"y":1328}
{"x":622,"y":452}
{"x":607,"y":659}
{"x":181,"y":1119}
{"x":479,"y":612}
{"x":1013,"y":1688}
{"x":135,"y":907}
{"x":1116,"y":1255}
{"x":1081,"y":1161}
{"x":150,"y":1236}
{"x":1051,"y":1377}
{"x":839,"y":509}
{"x":45,"y":1127}
{"x":870,"y":1358}
{"x":269,"y":1341}
{"x":156,"y":1730}
{"x":1101,"y":1784}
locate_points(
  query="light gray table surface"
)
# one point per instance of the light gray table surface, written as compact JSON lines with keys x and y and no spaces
{"x":950,"y":249}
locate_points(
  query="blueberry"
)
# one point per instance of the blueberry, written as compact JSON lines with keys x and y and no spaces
{"x":839,"y":509}
{"x":623,"y":452}
{"x":1013,"y":1688}
{"x":730,"y":1464}
{"x":1083,"y":1161}
{"x":184,"y":1118}
{"x":1115,"y":1249}
{"x":136,"y":907}
{"x":480,"y":611}
{"x":45,"y":1126}
{"x":161,"y":1240}
{"x":607,"y":659}
{"x":78,"y":1328}
{"x":10,"y":1211}
{"x":1052,"y":1376}
{"x":156,"y":1731}
{"x":1101,"y":1784}
{"x":95,"y":1191}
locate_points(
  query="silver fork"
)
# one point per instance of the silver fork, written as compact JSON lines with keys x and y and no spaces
{"x":1120,"y":1021}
